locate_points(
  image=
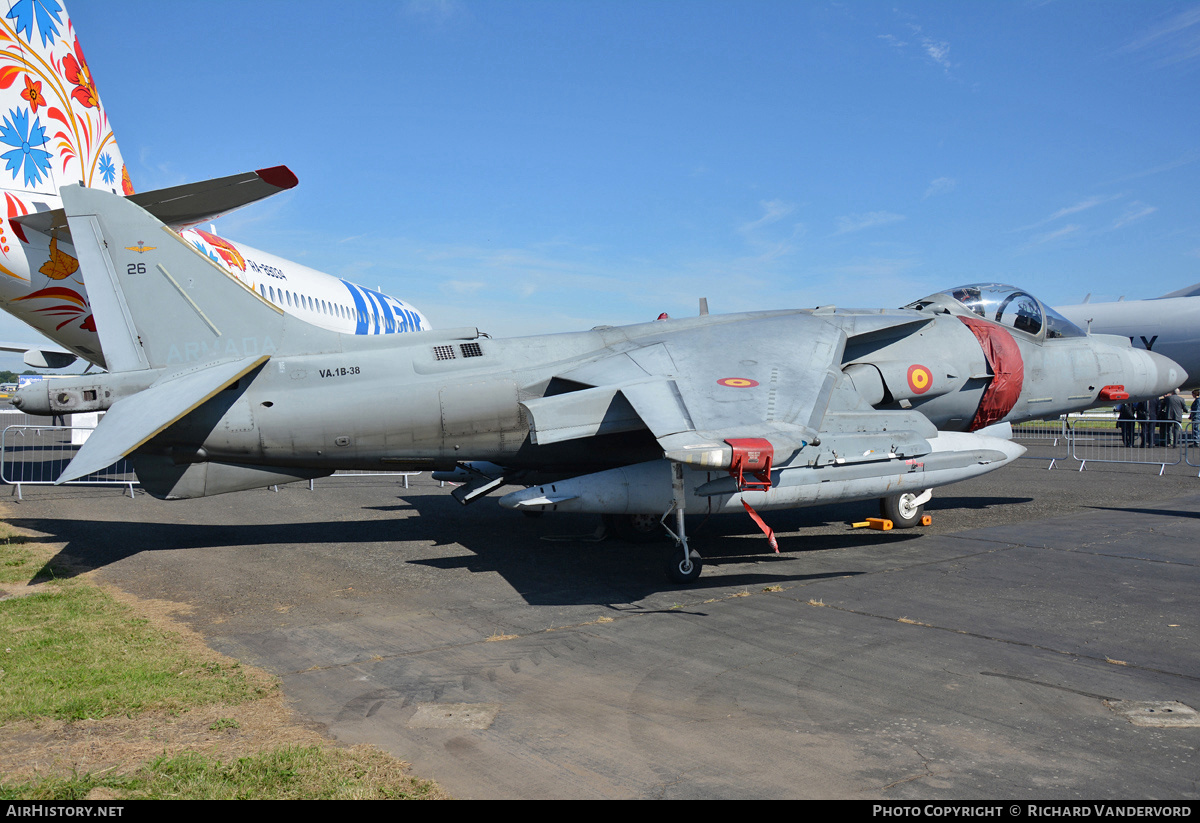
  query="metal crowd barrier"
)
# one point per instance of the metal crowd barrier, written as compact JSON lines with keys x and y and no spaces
{"x":1148,"y":442}
{"x":37,"y":455}
{"x":1044,"y":439}
{"x":1191,"y":445}
{"x":363,"y":473}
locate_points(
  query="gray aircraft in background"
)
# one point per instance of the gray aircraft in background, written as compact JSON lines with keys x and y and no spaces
{"x":1168,"y":325}
{"x":214,"y":389}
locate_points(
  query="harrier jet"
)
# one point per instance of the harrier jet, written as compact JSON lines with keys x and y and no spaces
{"x":214,"y":388}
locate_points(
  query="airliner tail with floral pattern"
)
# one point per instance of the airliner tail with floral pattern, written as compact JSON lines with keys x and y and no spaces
{"x":55,"y":132}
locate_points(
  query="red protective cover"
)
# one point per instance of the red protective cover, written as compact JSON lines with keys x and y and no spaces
{"x":752,"y":455}
{"x":1004,"y":357}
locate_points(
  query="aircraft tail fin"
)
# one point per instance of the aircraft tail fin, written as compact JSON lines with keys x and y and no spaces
{"x":54,"y":130}
{"x":1186,"y":291}
{"x":160,"y":303}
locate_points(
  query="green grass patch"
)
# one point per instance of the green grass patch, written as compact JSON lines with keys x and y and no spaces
{"x":69,"y":650}
{"x":286,"y":773}
{"x":72,"y":652}
{"x":21,"y":562}
{"x":1094,"y":424}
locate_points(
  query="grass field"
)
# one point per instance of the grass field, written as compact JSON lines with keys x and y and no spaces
{"x":106,"y":697}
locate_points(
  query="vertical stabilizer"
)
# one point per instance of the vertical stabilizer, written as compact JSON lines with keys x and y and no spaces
{"x":158,"y":302}
{"x":54,"y":131}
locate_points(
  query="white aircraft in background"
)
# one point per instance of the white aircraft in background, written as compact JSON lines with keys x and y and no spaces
{"x":1168,"y":325}
{"x":54,"y":132}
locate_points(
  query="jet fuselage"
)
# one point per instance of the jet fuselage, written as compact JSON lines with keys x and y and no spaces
{"x":435,"y":402}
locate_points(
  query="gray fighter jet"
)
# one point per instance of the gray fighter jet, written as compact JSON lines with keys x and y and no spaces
{"x":213,"y":389}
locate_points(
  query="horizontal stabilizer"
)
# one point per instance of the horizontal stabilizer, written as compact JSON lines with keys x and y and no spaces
{"x":42,"y":357}
{"x":24,"y":347}
{"x":186,"y":205}
{"x":134,"y":420}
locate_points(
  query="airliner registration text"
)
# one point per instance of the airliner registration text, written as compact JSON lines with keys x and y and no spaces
{"x":263,"y":268}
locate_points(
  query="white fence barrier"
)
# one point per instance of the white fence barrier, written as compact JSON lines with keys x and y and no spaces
{"x":1147,"y":442}
{"x":35,"y":455}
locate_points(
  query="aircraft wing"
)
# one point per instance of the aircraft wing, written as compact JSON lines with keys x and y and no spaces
{"x":697,"y":387}
{"x":189,"y":204}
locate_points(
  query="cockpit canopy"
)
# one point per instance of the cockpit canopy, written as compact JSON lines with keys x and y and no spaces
{"x":1007,"y":305}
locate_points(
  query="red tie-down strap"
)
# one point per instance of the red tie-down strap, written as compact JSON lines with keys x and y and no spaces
{"x":767,"y":530}
{"x":1004,"y":357}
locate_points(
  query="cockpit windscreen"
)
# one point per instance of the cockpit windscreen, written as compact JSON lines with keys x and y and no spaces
{"x":1014,"y":308}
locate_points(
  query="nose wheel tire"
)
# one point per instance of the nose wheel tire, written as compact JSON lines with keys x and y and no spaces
{"x":902,"y":510}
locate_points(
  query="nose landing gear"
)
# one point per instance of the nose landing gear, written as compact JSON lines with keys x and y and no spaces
{"x":905,"y":510}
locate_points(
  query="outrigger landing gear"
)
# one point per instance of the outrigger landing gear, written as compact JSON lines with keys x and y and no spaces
{"x":685,"y":569}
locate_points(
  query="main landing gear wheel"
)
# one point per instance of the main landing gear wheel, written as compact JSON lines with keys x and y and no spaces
{"x":902,"y":509}
{"x":636,"y":528}
{"x":681,"y":570}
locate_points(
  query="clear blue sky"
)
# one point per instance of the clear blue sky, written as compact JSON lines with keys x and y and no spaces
{"x":553,"y":165}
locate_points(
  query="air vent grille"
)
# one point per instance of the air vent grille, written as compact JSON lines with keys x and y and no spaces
{"x":443,"y":352}
{"x":471,"y":350}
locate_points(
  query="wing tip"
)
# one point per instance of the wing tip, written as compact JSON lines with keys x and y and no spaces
{"x":279,"y":176}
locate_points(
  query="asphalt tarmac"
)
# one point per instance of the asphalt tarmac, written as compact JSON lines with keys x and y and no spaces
{"x":994,"y":654}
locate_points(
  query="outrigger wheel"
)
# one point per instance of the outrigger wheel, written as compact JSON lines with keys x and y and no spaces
{"x":681,"y":570}
{"x":904,"y":510}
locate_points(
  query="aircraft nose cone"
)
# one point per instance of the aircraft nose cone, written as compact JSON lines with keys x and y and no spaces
{"x":1147,"y":375}
{"x":1168,"y":373}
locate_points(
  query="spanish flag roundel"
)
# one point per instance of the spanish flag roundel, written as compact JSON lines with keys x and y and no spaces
{"x":738,"y":382}
{"x":919,"y":379}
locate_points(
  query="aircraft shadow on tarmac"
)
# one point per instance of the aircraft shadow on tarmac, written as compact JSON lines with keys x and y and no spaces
{"x":555,"y":559}
{"x":1162,"y":512}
